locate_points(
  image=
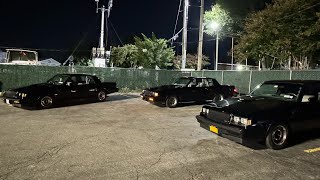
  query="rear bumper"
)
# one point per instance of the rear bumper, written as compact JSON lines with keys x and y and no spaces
{"x":251,"y":136}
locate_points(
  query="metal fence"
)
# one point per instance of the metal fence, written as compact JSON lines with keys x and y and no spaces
{"x":12,"y":76}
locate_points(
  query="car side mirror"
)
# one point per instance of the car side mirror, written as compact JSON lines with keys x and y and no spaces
{"x":309,"y":98}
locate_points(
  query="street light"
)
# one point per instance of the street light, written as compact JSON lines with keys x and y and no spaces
{"x":215,"y":26}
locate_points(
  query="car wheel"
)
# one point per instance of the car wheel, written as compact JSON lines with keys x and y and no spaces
{"x":46,"y":102}
{"x":277,"y":137}
{"x":172,"y":101}
{"x":218,"y":97}
{"x":102,"y":96}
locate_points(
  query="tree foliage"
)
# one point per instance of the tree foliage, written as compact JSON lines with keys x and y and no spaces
{"x":124,"y":56}
{"x":145,"y":52}
{"x":191,"y":62}
{"x":220,"y":16}
{"x":153,"y":52}
{"x":286,"y":31}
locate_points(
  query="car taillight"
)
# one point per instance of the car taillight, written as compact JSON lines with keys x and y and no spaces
{"x":235,"y":91}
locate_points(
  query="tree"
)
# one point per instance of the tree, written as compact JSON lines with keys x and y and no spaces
{"x":124,"y":56}
{"x":219,"y":16}
{"x":192,"y":61}
{"x":283,"y":35}
{"x":83,"y":61}
{"x":152,"y":52}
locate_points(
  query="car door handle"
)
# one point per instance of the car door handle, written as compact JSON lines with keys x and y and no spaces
{"x":73,"y":91}
{"x":92,"y":90}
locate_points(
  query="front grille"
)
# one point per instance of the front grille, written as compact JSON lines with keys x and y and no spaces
{"x":148,"y":93}
{"x":218,"y":116}
{"x":10,"y":94}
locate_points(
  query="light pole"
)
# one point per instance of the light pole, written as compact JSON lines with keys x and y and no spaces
{"x":215,"y":26}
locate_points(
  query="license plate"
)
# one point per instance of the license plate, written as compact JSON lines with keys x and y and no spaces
{"x":214,"y":129}
{"x":7,"y":101}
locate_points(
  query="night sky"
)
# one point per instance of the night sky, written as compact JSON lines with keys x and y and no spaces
{"x":65,"y":24}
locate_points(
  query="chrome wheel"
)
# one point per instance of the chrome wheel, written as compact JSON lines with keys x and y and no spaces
{"x":102,"y":96}
{"x":46,"y":102}
{"x":279,"y":135}
{"x":171,"y":101}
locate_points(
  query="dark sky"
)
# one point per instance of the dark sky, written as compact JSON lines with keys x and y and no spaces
{"x":64,"y":24}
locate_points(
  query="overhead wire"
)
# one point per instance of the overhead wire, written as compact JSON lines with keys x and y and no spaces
{"x":175,"y":26}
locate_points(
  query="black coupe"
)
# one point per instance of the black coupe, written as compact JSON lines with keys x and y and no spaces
{"x":269,"y":115}
{"x":188,"y":89}
{"x":60,"y":88}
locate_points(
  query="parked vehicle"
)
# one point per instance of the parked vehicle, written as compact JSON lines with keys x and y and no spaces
{"x":60,"y":88}
{"x":188,"y":89}
{"x":20,"y":57}
{"x":270,"y":115}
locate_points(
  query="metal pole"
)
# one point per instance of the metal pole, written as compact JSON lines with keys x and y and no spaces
{"x":217,"y":50}
{"x":102,"y":27}
{"x":232,"y":55}
{"x":199,"y":67}
{"x":185,"y":34}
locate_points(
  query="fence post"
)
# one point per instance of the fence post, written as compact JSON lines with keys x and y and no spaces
{"x":250,"y":81}
{"x":290,"y":76}
{"x":222,"y":77}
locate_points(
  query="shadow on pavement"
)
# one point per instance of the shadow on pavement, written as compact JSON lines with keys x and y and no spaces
{"x":110,"y":98}
{"x":302,"y":137}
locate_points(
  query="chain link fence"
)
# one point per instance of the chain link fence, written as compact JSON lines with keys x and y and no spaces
{"x":12,"y":76}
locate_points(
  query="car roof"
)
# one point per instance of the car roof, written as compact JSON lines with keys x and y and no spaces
{"x":76,"y":74}
{"x":192,"y":77}
{"x":294,"y":81}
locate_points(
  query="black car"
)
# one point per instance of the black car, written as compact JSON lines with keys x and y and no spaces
{"x":60,"y":88}
{"x":270,"y":115}
{"x":188,"y":89}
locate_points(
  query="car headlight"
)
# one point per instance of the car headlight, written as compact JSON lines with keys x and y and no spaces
{"x":205,"y":111}
{"x":240,"y":121}
{"x":22,"y":95}
{"x":156,"y":94}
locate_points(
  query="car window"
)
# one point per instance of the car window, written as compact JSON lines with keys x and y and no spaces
{"x":90,"y":80}
{"x":210,"y":82}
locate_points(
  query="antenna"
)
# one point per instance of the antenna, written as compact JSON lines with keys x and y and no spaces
{"x":97,"y":1}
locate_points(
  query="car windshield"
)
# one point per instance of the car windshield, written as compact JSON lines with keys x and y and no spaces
{"x":58,"y":79}
{"x":278,"y":90}
{"x":182,"y":81}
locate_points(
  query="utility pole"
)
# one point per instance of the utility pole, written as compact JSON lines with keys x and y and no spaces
{"x":103,"y":9}
{"x":232,"y":52}
{"x":217,"y":49}
{"x":201,"y":27}
{"x":185,"y":34}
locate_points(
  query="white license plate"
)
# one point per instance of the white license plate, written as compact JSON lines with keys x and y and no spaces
{"x":7,"y":101}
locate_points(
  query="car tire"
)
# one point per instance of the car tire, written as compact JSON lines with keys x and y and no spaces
{"x":218,"y":97}
{"x":277,"y":137}
{"x":172,"y":101}
{"x":101,"y":96}
{"x":46,"y":102}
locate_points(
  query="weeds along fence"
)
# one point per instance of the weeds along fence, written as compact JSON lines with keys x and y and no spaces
{"x":12,"y":76}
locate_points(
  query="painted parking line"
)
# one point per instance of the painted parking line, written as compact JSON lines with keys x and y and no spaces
{"x":312,"y":150}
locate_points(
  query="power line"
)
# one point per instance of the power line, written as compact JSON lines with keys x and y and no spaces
{"x":307,"y":8}
{"x":42,"y":49}
{"x":115,"y":32}
{"x":175,"y":26}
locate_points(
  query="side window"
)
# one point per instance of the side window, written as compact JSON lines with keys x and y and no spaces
{"x":205,"y":83}
{"x":90,"y":80}
{"x":81,"y":80}
{"x":310,"y":93}
{"x":210,"y":82}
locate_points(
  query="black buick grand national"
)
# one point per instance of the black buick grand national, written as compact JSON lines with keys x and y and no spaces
{"x":269,"y":115}
{"x":60,"y":88}
{"x":188,"y":89}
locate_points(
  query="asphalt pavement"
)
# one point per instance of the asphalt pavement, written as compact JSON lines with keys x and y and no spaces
{"x":128,"y":138}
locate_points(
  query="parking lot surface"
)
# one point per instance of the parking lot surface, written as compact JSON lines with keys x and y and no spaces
{"x":127,"y":138}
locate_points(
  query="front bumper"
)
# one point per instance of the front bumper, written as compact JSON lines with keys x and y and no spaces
{"x":251,"y":136}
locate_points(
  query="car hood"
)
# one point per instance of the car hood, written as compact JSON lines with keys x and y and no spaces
{"x":248,"y":106}
{"x":34,"y":87}
{"x":162,"y":88}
